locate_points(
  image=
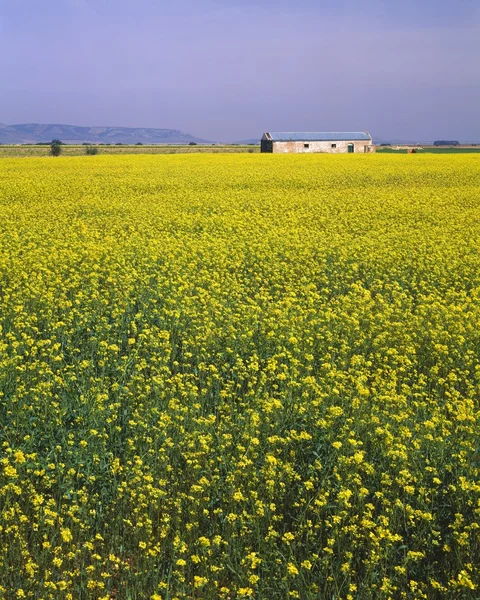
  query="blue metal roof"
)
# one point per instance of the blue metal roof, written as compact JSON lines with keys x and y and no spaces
{"x":322,"y":136}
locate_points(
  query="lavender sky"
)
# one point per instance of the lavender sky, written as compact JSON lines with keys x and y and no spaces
{"x":227,"y":70}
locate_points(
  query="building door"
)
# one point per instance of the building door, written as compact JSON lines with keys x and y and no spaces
{"x":351,"y":148}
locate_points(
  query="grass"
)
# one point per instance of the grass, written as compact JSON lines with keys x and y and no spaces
{"x":79,"y":150}
{"x":13,"y":151}
{"x":431,"y":150}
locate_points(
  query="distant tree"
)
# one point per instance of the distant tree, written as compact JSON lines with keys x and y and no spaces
{"x":139,"y":144}
{"x":192,"y":144}
{"x":91,"y":150}
{"x":119,"y":144}
{"x":56,"y":148}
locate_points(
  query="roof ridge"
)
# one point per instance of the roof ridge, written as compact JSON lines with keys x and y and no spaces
{"x":318,"y":135}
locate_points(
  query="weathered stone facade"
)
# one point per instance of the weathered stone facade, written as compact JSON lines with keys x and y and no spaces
{"x":269,"y":143}
{"x":330,"y":147}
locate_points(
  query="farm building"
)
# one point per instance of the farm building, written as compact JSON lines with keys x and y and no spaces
{"x":334,"y":142}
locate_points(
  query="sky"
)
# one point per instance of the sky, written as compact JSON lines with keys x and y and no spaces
{"x":228,"y":70}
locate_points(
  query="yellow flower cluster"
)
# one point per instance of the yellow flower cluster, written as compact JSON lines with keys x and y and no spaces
{"x":240,"y":376}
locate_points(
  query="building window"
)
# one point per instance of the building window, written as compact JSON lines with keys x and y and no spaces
{"x":334,"y":145}
{"x":306,"y":145}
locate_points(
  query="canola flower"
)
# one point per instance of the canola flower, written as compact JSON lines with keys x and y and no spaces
{"x":240,"y":377}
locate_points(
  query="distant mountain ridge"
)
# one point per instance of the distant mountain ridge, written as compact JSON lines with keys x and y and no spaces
{"x":249,"y":141}
{"x":31,"y":133}
{"x":395,"y":142}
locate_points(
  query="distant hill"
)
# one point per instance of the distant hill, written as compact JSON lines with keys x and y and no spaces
{"x":31,"y":133}
{"x":397,"y":142}
{"x":249,"y":141}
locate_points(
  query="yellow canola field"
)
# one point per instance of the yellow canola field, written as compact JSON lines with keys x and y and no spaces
{"x":240,"y":376}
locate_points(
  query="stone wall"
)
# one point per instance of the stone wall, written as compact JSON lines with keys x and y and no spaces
{"x":360,"y":147}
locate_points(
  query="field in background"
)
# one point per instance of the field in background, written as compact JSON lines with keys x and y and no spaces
{"x":240,"y":376}
{"x":431,"y":150}
{"x":79,"y":150}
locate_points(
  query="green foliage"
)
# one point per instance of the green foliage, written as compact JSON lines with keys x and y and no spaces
{"x":56,"y":148}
